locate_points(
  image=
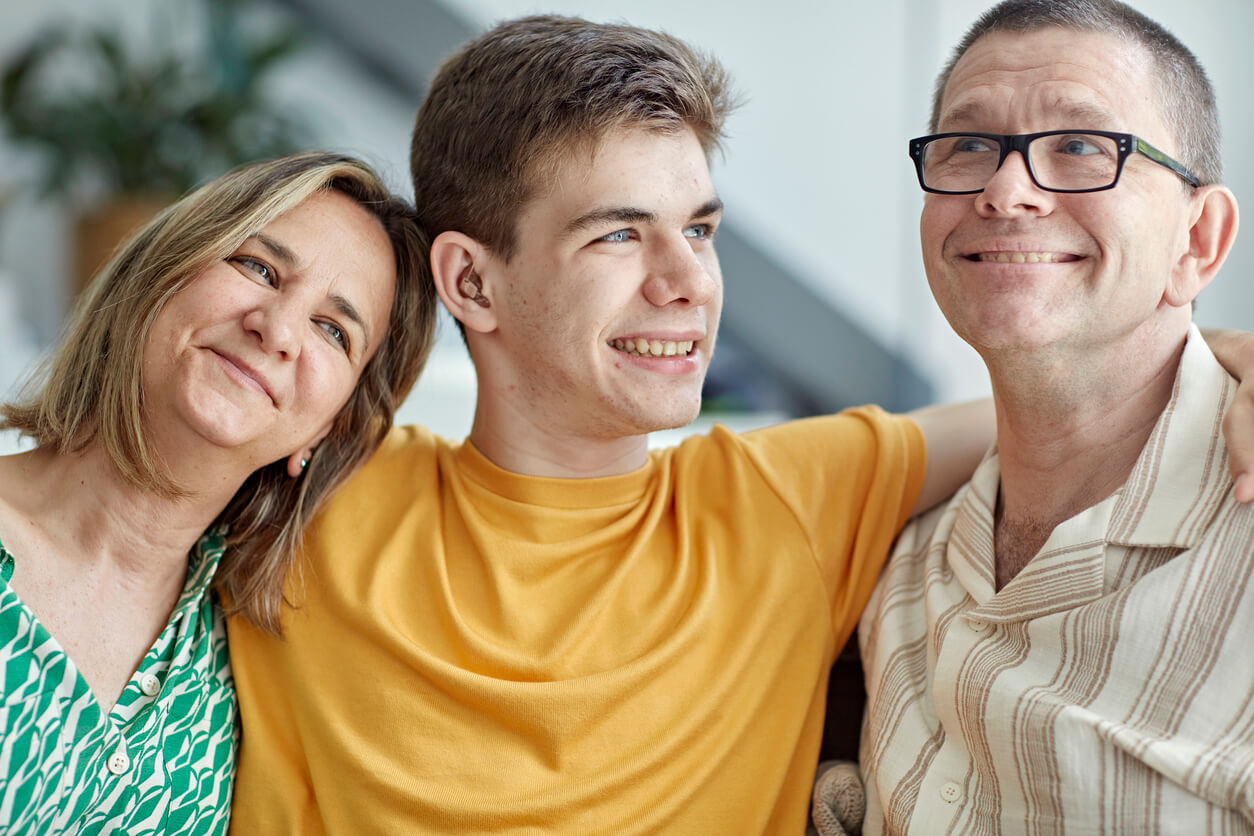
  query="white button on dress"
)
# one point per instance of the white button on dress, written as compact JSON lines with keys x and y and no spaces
{"x":119,"y":763}
{"x":950,"y":792}
{"x":150,"y":685}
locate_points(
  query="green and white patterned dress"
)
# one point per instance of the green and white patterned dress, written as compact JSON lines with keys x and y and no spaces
{"x":162,"y":762}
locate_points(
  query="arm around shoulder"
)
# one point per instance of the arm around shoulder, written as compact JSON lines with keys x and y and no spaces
{"x":958,"y":436}
{"x":1235,"y":352}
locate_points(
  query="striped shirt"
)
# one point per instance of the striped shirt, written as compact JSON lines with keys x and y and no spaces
{"x":1108,"y":688}
{"x":161,"y":762}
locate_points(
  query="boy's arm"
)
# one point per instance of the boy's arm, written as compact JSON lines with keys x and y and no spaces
{"x":958,"y":436}
{"x":1235,"y":352}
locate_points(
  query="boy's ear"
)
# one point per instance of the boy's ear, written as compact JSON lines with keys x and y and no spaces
{"x":456,"y":260}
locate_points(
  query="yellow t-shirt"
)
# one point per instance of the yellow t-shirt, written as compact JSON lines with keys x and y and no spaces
{"x":476,"y":651}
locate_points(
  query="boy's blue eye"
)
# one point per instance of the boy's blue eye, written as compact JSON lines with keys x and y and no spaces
{"x":618,"y":236}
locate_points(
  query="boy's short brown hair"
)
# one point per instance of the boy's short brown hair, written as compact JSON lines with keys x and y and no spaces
{"x":515,"y":103}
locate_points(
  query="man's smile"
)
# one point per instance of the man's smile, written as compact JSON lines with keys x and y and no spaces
{"x":1020,"y":257}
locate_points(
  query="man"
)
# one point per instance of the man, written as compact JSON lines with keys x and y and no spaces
{"x":548,"y":629}
{"x":1063,"y":649}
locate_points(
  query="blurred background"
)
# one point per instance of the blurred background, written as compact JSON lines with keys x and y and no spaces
{"x":115,"y":106}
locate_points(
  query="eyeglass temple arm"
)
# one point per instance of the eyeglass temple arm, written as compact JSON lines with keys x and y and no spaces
{"x":1167,"y":162}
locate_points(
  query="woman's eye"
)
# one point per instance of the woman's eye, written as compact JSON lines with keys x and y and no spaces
{"x":618,"y":236}
{"x":336,"y":333}
{"x":253,"y":265}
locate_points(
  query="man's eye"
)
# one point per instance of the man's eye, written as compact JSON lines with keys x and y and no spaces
{"x":253,"y":265}
{"x":618,"y":236}
{"x":336,"y":333}
{"x":699,"y":231}
{"x":973,"y":144}
{"x":1078,"y":146}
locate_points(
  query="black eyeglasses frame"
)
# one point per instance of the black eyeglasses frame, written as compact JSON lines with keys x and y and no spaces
{"x":1128,"y":144}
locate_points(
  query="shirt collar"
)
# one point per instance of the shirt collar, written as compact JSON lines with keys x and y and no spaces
{"x":1174,"y":490}
{"x":202,"y":564}
{"x":1181,"y":476}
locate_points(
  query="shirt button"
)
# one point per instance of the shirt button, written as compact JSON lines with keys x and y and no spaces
{"x":150,"y":685}
{"x":951,"y":792}
{"x":119,"y":763}
{"x":977,"y":626}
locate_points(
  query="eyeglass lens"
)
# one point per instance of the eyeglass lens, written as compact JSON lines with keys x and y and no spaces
{"x":1065,"y":162}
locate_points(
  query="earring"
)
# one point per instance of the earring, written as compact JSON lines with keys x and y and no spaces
{"x":303,"y":463}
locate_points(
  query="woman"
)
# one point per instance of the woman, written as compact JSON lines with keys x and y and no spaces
{"x":237,"y":359}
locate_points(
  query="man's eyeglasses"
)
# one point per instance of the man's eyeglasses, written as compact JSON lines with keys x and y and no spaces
{"x":1057,"y":161}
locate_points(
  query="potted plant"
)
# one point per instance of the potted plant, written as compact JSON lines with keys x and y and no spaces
{"x":122,"y":133}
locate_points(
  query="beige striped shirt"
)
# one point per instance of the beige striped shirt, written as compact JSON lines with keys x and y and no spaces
{"x":1109,"y":688}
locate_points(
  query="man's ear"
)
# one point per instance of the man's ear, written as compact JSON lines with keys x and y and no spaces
{"x":456,"y":262}
{"x":1212,"y":232}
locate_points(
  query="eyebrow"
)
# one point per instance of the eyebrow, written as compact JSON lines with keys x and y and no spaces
{"x":617,"y":214}
{"x":284,"y":253}
{"x":277,"y":248}
{"x":1089,"y":115}
{"x":346,"y":308}
{"x":630,"y":214}
{"x":713,"y":206}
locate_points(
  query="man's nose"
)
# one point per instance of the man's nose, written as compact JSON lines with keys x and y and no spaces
{"x":1011,"y":190}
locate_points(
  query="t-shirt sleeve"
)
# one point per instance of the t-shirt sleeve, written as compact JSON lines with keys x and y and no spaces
{"x":850,"y":479}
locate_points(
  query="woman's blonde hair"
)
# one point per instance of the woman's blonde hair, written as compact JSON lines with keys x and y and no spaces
{"x":92,"y":387}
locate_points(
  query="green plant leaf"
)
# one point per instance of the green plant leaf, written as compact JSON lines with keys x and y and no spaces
{"x":144,"y":121}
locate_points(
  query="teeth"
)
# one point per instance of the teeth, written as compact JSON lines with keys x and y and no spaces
{"x":1021,"y":258}
{"x":654,"y":348}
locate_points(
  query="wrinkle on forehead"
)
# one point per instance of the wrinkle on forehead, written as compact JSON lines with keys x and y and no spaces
{"x":1070,"y":113}
{"x":1057,"y":74}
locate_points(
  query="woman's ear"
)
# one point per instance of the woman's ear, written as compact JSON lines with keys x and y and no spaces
{"x":298,"y":461}
{"x":1213,"y":229}
{"x":456,"y":262}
